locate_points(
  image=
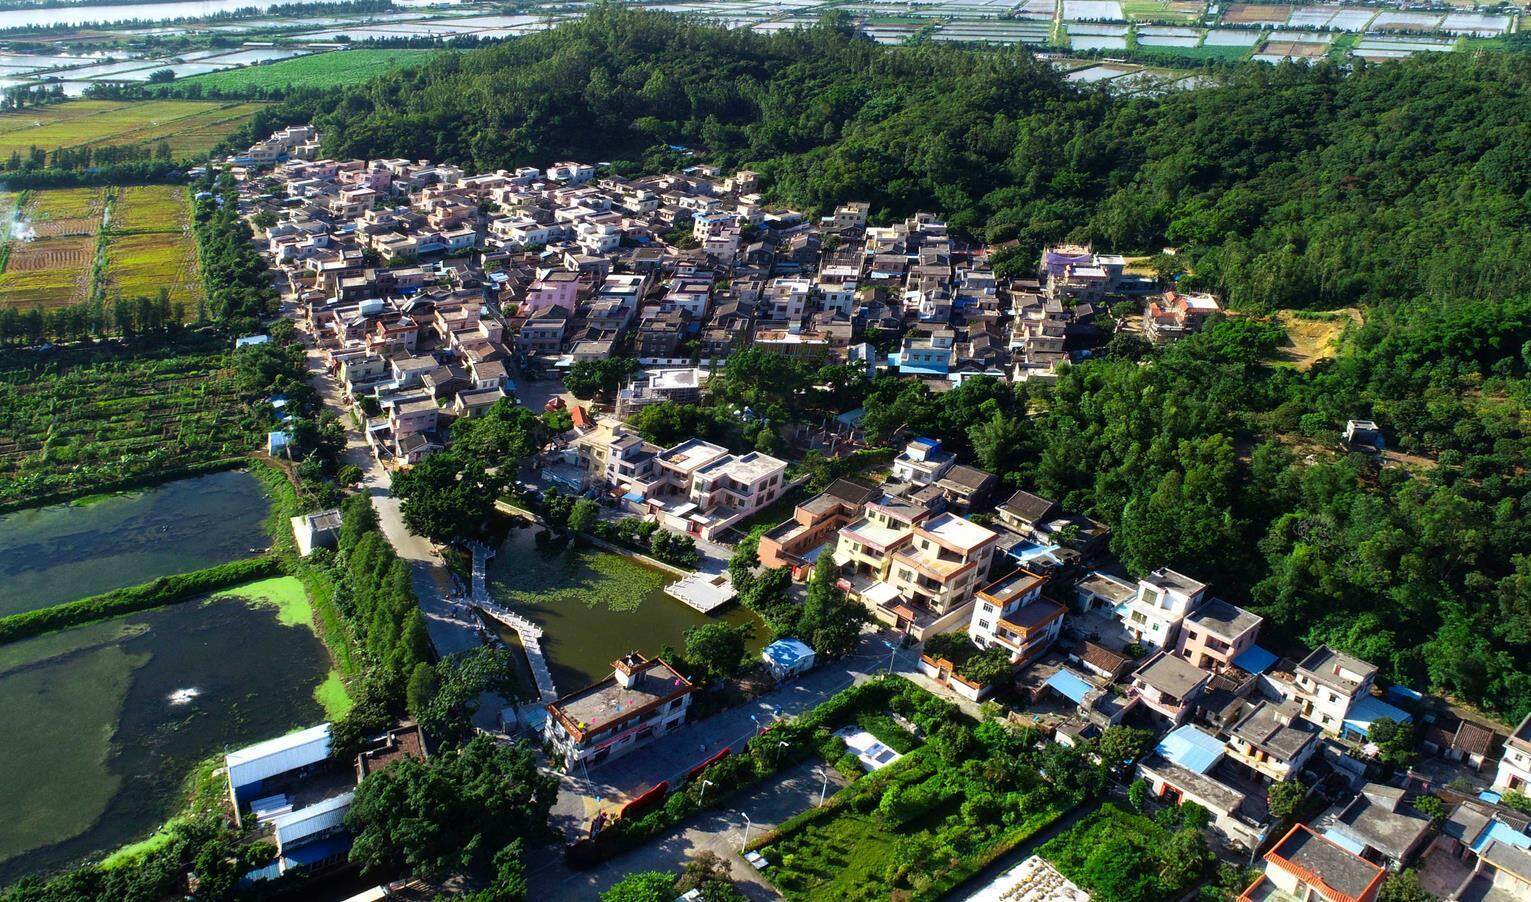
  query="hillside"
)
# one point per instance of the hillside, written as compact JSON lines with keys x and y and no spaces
{"x":1284,"y":186}
{"x":1400,"y":190}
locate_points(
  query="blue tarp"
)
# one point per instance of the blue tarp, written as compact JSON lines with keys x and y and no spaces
{"x":1490,"y":796}
{"x":1367,"y":710}
{"x":788,"y":656}
{"x":1255,"y":660}
{"x":1403,"y":694}
{"x":634,"y":497}
{"x":1070,"y":685}
{"x":1191,"y":749}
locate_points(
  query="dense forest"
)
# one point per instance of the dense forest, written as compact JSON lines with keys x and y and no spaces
{"x":1402,"y":189}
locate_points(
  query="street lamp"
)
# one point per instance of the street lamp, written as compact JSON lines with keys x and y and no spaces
{"x":703,"y":794}
{"x":823,"y":790}
{"x":779,"y":746}
{"x":747,"y":825}
{"x":892,"y":653}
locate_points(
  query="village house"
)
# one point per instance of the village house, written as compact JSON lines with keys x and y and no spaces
{"x":642,"y":700}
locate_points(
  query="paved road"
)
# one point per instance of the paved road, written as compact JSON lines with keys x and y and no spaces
{"x":452,"y":628}
{"x":719,"y":831}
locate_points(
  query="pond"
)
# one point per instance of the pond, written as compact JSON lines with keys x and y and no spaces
{"x":105,"y":721}
{"x":142,"y":12}
{"x":594,"y":606}
{"x":50,"y":555}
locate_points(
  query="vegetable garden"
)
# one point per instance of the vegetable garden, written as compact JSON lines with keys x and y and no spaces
{"x":81,"y":420}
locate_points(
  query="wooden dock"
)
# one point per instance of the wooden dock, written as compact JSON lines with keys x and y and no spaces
{"x":529,"y":632}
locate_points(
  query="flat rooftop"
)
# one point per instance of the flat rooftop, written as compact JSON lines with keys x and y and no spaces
{"x":1224,"y":620}
{"x":954,"y":530}
{"x":595,"y":707}
{"x":1302,"y":850}
{"x":692,"y":453}
{"x":1012,"y":585}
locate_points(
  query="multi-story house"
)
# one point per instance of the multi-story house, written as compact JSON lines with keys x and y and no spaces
{"x":798,"y":542}
{"x":1169,"y":686}
{"x":643,"y":699}
{"x":1177,"y":315}
{"x":916,"y":572}
{"x":1328,"y":683}
{"x":543,"y":335}
{"x":922,"y":462}
{"x":1514,"y":771}
{"x":1216,"y":633}
{"x":1012,"y":614}
{"x":727,"y":490}
{"x":1272,"y":741}
{"x":615,"y":456}
{"x":1164,"y":598}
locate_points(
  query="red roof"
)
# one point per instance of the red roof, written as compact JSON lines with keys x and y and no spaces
{"x":581,"y":419}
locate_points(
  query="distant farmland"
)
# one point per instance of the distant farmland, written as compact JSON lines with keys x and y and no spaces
{"x":191,"y":127}
{"x":320,"y":70}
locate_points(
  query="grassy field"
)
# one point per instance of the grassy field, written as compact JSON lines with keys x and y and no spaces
{"x":1162,"y":10}
{"x":1213,"y":52}
{"x":191,"y":127}
{"x":320,"y":70}
{"x":150,"y":208}
{"x":75,"y":419}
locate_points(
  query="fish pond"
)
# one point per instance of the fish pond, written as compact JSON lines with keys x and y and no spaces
{"x":594,"y":606}
{"x":104,"y":722}
{"x":50,"y":555}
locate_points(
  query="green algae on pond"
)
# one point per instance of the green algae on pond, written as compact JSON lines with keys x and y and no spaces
{"x":63,"y":552}
{"x":594,"y":606}
{"x":104,"y":721}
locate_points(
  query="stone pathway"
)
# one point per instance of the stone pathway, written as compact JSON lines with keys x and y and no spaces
{"x":529,"y":632}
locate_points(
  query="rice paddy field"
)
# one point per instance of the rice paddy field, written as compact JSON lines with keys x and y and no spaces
{"x":191,"y":127}
{"x":152,"y":247}
{"x":46,"y":261}
{"x":1163,"y":10}
{"x":321,"y":70}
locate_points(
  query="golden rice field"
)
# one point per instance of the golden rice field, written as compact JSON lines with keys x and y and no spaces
{"x":191,"y":127}
{"x":148,"y":246}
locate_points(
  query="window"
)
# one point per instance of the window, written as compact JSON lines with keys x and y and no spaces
{"x":984,"y":624}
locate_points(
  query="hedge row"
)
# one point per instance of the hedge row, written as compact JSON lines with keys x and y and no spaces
{"x":155,"y":593}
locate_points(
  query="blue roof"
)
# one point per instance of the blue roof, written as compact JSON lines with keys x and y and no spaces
{"x":634,"y":497}
{"x":1191,"y":749}
{"x":1255,"y":660}
{"x":924,"y":370}
{"x":1368,"y":709}
{"x":1490,"y":796}
{"x":787,"y":652}
{"x":1404,"y":693}
{"x":1344,"y":841}
{"x":314,"y":852}
{"x":1504,"y":833}
{"x":1070,"y":685}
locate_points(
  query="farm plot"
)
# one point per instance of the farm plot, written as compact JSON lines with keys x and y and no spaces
{"x":191,"y":127}
{"x":48,"y":272}
{"x":85,"y":418}
{"x":1163,"y":10}
{"x":320,"y":70}
{"x":141,"y":264}
{"x":64,"y":211}
{"x":150,"y":208}
{"x":1255,"y":14}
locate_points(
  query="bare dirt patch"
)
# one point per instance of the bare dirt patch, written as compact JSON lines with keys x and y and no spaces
{"x":1310,"y":340}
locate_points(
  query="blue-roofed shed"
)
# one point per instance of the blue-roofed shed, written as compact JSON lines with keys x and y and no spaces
{"x":1367,"y":710}
{"x":1255,"y":660}
{"x":1191,"y":749}
{"x":1070,"y":685}
{"x":788,"y":658}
